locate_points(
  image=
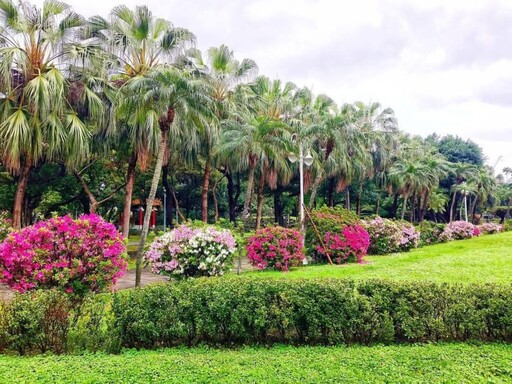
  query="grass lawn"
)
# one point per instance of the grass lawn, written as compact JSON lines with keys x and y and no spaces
{"x":446,"y":363}
{"x":478,"y":260}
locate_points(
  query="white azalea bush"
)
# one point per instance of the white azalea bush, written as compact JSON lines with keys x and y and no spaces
{"x":192,"y":252}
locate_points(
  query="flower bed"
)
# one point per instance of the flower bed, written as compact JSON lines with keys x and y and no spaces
{"x":192,"y":252}
{"x":77,"y":256}
{"x":275,"y":248}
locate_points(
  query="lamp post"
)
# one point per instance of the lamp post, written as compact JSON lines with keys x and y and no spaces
{"x":308,"y":160}
{"x":165,"y":210}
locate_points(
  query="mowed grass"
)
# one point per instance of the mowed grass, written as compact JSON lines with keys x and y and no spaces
{"x":442,"y":363}
{"x":485,"y":259}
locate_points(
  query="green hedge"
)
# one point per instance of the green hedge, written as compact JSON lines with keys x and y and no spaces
{"x":219,"y":311}
{"x":260,"y":312}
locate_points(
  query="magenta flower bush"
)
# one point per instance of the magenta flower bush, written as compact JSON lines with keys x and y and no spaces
{"x":275,"y":248}
{"x":75,"y":256}
{"x":350,"y":245}
{"x":389,"y":236}
{"x":189,"y":252}
{"x":458,"y":230}
{"x":489,"y":228}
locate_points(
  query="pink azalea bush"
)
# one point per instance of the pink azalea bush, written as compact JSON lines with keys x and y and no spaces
{"x":192,"y":252}
{"x":76,"y":256}
{"x":275,"y":248}
{"x":458,"y":230}
{"x":349,"y":245}
{"x":389,"y":236}
{"x":489,"y":228}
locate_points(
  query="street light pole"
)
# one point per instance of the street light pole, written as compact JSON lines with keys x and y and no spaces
{"x":308,"y":160}
{"x":301,"y":177}
{"x":165,"y":210}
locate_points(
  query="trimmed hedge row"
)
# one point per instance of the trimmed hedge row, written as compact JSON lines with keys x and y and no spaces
{"x":260,"y":311}
{"x":310,"y":312}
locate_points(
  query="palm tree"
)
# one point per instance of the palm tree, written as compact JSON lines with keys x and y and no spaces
{"x":485,"y":187}
{"x":170,"y":101}
{"x":252,"y":140}
{"x":137,"y":43}
{"x":412,"y":176}
{"x":223,"y":73}
{"x":37,"y":121}
{"x":462,"y":172}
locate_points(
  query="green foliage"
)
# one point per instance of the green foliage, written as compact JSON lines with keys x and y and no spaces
{"x":92,"y":326}
{"x":430,"y":233}
{"x":457,"y":150}
{"x":309,"y":312}
{"x":507,"y":225}
{"x":327,"y":220}
{"x":37,"y":321}
{"x":439,"y":363}
{"x":5,"y":225}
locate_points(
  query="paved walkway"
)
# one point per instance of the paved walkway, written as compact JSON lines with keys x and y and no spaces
{"x":127,"y":281}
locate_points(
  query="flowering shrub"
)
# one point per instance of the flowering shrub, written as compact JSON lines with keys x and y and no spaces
{"x":430,"y":233}
{"x":326,"y":220}
{"x":75,"y":256}
{"x":350,"y":245}
{"x":458,"y":230}
{"x":388,"y":236}
{"x":189,"y":252}
{"x":5,"y":225}
{"x":489,"y":228}
{"x":275,"y":248}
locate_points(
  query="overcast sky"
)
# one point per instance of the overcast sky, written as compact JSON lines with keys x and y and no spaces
{"x":443,"y":66}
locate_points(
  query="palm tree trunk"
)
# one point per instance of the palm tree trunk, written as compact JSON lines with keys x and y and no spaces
{"x":424,"y":207}
{"x":204,"y":191}
{"x":331,"y":192}
{"x":404,"y":207}
{"x":19,"y":197}
{"x":278,"y":207}
{"x":215,"y":202}
{"x":377,"y":205}
{"x":413,"y":208}
{"x":130,"y":180}
{"x":168,"y":195}
{"x":473,"y":207}
{"x":394,"y":206}
{"x":231,"y":196}
{"x":358,"y":201}
{"x":452,"y":206}
{"x":260,"y":199}
{"x":248,"y":195}
{"x":149,"y":204}
{"x":314,"y":190}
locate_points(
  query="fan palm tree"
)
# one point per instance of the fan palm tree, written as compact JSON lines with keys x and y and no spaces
{"x":37,"y":120}
{"x":223,"y":73}
{"x":462,"y":172}
{"x":485,"y":187}
{"x":253,"y":140}
{"x":411,"y":176}
{"x":137,"y":43}
{"x":171,"y":102}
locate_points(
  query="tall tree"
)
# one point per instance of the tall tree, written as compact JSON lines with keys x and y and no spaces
{"x":37,"y":122}
{"x":224,"y":73}
{"x":171,"y":101}
{"x":138,"y":42}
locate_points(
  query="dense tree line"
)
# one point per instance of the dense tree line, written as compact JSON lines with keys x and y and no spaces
{"x":94,"y":112}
